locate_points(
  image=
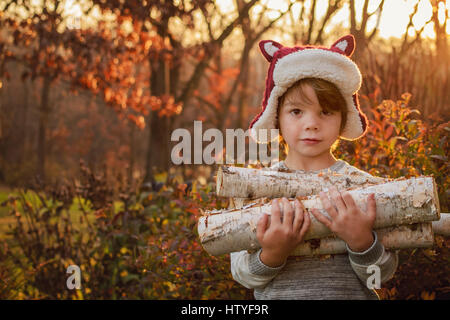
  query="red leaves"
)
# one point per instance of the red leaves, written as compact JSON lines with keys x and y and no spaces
{"x":401,"y":143}
{"x":194,"y":211}
{"x":388,"y":132}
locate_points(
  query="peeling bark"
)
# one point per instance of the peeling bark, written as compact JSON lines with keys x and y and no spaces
{"x":399,"y":202}
{"x":258,"y":183}
{"x":418,"y":235}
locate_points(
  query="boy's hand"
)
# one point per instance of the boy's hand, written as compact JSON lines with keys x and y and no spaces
{"x":347,"y":221}
{"x":279,"y":237}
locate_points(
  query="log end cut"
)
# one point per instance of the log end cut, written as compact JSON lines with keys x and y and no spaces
{"x":436,"y":199}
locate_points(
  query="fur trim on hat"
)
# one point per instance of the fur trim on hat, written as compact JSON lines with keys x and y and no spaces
{"x":288,"y":65}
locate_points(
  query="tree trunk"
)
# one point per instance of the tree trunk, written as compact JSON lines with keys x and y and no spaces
{"x":399,"y":202}
{"x":132,"y":128}
{"x":259,"y":183}
{"x":22,"y":130}
{"x":44,"y":113}
{"x":158,"y":139}
{"x":159,"y":146}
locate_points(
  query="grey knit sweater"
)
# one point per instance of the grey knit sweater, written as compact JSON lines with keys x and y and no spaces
{"x":340,"y":276}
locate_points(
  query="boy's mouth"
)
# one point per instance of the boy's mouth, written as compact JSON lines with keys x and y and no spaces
{"x":310,"y":141}
{"x":317,"y":140}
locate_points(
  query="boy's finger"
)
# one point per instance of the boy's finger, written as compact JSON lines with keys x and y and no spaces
{"x":321,"y":218}
{"x":372,"y":206}
{"x":327,"y":205}
{"x":349,"y":201}
{"x":261,"y":227}
{"x":288,"y":213}
{"x":299,"y":216}
{"x":305,"y":226}
{"x":336,"y":196}
{"x":275,"y":212}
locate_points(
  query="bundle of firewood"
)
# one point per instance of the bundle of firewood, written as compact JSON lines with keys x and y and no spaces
{"x":408,"y":212}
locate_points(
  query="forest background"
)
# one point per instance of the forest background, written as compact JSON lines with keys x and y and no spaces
{"x":90,"y":92}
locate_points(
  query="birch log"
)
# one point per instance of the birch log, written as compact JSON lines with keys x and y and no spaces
{"x":442,"y":226}
{"x":399,"y":202}
{"x":260,"y":183}
{"x":418,"y":235}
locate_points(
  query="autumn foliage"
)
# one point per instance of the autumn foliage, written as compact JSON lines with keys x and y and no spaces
{"x":111,"y":92}
{"x":144,"y":244}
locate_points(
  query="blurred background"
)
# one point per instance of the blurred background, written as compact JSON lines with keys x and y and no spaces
{"x":90,"y":92}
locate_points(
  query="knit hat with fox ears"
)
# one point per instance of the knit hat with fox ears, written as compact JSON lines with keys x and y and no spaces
{"x":288,"y":65}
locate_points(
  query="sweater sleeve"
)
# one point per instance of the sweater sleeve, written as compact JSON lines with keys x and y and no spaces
{"x":377,"y":255}
{"x":387,"y":261}
{"x":250,"y":271}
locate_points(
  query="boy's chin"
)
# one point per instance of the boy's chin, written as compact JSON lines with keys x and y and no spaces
{"x":317,"y":148}
{"x":311,"y":153}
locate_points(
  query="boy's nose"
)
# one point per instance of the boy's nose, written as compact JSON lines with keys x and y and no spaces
{"x":313,"y":127}
{"x":312,"y":123}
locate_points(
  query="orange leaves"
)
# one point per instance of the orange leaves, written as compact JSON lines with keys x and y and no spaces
{"x":165,"y":105}
{"x":108,"y":94}
{"x":425,"y":295}
{"x":387,"y":133}
{"x":230,"y":73}
{"x":219,"y":82}
{"x":89,"y":81}
{"x":219,"y":85}
{"x":139,"y":121}
{"x":194,"y":211}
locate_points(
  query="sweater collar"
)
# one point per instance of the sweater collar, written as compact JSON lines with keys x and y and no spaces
{"x":339,"y":164}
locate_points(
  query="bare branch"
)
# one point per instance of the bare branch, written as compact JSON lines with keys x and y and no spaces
{"x":365,"y":16}
{"x":380,"y":11}
{"x":353,"y":26}
{"x":331,"y":10}
{"x":208,"y":22}
{"x":312,"y":18}
{"x":200,"y":67}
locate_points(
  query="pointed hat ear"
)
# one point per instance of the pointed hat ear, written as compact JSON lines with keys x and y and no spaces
{"x":346,"y":44}
{"x":268,"y":48}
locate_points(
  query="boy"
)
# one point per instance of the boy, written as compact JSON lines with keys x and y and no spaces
{"x":311,"y":97}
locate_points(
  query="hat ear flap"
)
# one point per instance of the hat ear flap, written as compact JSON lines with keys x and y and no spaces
{"x":346,"y":44}
{"x":268,"y":48}
{"x":362,"y":116}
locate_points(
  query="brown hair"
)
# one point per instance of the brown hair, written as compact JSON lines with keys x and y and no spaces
{"x":329,"y":96}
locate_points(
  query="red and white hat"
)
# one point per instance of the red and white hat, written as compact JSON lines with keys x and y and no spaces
{"x":288,"y":65}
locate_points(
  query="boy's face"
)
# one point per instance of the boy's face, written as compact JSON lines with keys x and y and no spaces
{"x":300,"y":119}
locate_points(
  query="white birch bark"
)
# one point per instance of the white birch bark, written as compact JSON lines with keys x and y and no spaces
{"x":258,"y":183}
{"x":442,"y":226}
{"x":399,"y":202}
{"x":419,"y":235}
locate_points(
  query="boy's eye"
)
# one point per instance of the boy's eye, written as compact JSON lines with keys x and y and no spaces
{"x":299,"y":111}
